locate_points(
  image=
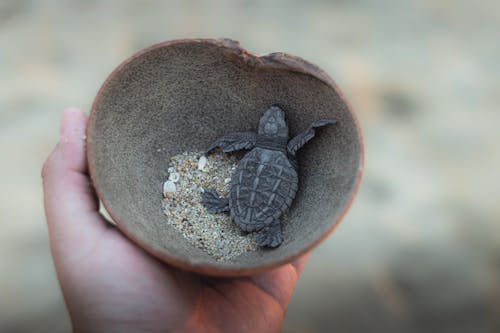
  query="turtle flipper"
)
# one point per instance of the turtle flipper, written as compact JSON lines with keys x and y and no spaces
{"x":234,"y":141}
{"x":213,"y":203}
{"x":302,"y":138}
{"x":270,"y":235}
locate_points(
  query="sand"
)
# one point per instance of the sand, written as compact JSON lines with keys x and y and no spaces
{"x":188,"y":176}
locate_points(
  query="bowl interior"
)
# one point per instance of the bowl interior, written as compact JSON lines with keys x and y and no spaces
{"x":181,"y":96}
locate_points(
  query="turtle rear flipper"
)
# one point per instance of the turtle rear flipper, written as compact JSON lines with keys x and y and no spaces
{"x":213,"y":203}
{"x":270,"y":236}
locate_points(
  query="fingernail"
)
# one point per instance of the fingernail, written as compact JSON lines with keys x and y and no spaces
{"x":72,"y":126}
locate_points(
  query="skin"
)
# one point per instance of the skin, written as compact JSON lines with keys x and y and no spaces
{"x":111,"y":285}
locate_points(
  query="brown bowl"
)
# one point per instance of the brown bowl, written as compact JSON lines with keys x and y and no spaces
{"x":180,"y":96}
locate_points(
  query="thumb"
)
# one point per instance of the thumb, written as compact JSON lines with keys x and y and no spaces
{"x":71,"y":206}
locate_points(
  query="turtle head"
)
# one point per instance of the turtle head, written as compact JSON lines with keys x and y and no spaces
{"x":273,"y":123}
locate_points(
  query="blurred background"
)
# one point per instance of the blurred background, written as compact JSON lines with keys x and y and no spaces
{"x":419,"y":250}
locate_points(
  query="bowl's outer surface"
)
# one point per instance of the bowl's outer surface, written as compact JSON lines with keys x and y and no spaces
{"x":180,"y":96}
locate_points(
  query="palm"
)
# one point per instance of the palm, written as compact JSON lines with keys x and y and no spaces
{"x":155,"y":296}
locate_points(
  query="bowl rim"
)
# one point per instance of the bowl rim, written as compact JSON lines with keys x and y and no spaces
{"x":275,"y":60}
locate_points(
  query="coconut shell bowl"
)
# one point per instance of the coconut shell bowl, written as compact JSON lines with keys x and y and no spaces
{"x":181,"y":95}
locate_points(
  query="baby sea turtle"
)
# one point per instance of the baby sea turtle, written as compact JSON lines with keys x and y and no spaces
{"x":265,"y":181}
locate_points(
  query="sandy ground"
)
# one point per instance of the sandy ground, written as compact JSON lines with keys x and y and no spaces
{"x":420,"y":249}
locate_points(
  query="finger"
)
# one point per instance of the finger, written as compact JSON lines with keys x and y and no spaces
{"x":280,"y":282}
{"x":300,"y":263}
{"x":71,"y":206}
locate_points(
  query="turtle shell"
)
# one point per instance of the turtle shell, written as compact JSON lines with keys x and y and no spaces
{"x":263,"y":187}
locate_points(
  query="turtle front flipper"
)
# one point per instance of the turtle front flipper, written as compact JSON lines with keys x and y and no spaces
{"x":270,"y":235}
{"x":301,"y":139}
{"x":213,"y":203}
{"x":234,"y":141}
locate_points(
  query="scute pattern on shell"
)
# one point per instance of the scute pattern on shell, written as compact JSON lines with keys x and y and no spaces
{"x":263,"y":187}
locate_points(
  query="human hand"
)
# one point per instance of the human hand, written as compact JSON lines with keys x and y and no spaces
{"x":111,"y":285}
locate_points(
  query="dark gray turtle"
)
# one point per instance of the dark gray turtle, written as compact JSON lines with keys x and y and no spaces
{"x":266,"y":179}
